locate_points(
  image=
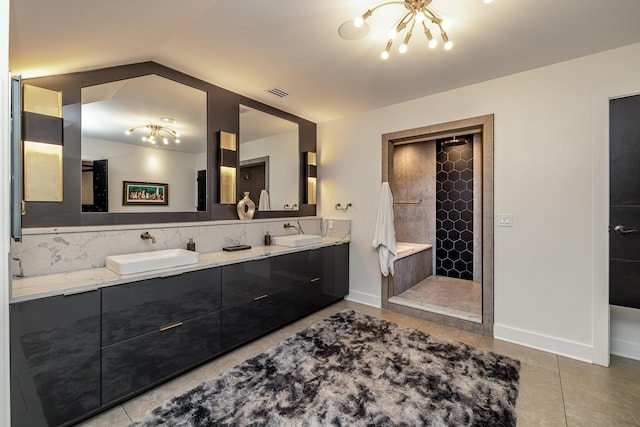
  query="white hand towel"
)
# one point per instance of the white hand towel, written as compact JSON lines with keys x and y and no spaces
{"x":384,"y":237}
{"x":264,"y":204}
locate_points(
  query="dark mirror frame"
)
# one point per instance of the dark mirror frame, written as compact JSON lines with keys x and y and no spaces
{"x":222,"y":113}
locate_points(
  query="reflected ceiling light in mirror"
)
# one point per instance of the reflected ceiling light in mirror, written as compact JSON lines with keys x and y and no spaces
{"x":154,"y":133}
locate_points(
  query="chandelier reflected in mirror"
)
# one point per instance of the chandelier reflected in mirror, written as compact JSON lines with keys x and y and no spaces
{"x":154,"y":133}
{"x":417,"y":16}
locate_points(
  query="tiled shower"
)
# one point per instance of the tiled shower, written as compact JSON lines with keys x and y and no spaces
{"x":437,"y":190}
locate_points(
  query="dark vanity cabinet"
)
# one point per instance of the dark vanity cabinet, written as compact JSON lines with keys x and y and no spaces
{"x":157,"y":328}
{"x":73,"y":356}
{"x":260,"y":296}
{"x":55,"y":359}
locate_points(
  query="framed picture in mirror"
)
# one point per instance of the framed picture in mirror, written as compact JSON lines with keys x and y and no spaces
{"x":145,"y":193}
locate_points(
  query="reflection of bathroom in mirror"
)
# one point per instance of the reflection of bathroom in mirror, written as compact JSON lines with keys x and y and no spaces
{"x":269,"y":160}
{"x":167,"y":143}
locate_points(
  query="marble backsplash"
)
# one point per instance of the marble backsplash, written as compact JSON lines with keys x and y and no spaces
{"x":56,"y":250}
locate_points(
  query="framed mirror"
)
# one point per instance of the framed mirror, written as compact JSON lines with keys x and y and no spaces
{"x":146,"y":130}
{"x":269,"y":160}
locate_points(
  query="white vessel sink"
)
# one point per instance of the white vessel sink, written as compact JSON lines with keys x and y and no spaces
{"x":147,"y":261}
{"x":297,"y":240}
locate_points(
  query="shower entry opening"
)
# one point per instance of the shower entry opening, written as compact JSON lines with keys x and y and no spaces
{"x":441,"y":178}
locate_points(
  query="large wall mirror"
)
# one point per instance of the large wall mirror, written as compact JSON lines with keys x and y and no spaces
{"x":106,"y":172}
{"x":269,"y":160}
{"x":144,"y":146}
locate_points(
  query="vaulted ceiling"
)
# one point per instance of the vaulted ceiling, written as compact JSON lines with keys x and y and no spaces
{"x":251,"y":46}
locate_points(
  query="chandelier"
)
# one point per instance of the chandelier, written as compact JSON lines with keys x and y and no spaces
{"x":153,"y":133}
{"x":416,"y":17}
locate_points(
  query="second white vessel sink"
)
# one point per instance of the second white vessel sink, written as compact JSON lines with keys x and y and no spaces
{"x":147,"y":261}
{"x":296,"y":240}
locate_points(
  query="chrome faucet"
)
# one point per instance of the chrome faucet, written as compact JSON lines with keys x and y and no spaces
{"x":147,"y":236}
{"x":287,"y":225}
{"x":298,"y":228}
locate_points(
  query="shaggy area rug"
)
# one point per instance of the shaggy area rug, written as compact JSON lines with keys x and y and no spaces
{"x":355,"y":370}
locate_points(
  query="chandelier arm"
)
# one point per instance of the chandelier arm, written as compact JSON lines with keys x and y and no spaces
{"x":402,"y":23}
{"x":373,"y":9}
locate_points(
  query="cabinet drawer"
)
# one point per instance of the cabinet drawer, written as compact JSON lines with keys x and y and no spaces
{"x":298,"y":267}
{"x":145,"y":360}
{"x":243,"y":322}
{"x":139,"y":307}
{"x":55,"y":359}
{"x":245,"y":281}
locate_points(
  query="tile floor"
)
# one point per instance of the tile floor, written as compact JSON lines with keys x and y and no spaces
{"x":445,"y":295}
{"x":554,"y":390}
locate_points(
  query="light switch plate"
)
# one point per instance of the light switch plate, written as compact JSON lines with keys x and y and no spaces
{"x":505,"y":220}
{"x":330,"y":224}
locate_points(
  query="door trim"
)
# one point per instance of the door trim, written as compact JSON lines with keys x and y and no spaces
{"x":600,"y":211}
{"x":480,"y":124}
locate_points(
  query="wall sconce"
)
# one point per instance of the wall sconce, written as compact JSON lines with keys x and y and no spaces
{"x":227,"y":167}
{"x":311,"y":175}
{"x":42,"y":144}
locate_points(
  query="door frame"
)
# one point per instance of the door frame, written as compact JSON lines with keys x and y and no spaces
{"x":600,"y":211}
{"x":485,"y":126}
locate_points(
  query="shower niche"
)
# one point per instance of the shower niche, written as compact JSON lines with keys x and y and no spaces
{"x":441,"y":178}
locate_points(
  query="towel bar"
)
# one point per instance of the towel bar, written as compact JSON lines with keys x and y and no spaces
{"x":419,"y":202}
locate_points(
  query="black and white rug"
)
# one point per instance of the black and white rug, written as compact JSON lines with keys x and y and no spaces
{"x":355,"y":370}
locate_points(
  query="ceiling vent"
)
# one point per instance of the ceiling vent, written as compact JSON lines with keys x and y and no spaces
{"x":244,"y":109}
{"x":278,"y":92}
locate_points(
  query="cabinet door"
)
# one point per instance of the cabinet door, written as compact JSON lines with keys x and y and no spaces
{"x":245,"y":281}
{"x":341,"y":270}
{"x":296,"y":268}
{"x":138,"y":363}
{"x":55,"y":359}
{"x":139,"y":307}
{"x":243,"y":322}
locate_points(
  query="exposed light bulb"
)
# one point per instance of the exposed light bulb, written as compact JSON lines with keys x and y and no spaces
{"x":144,"y":138}
{"x":392,"y":34}
{"x":433,"y":43}
{"x":446,"y":24}
{"x":177,"y":134}
{"x":152,"y":137}
{"x":419,"y":16}
{"x":127,"y":132}
{"x":448,"y":45}
{"x":177,"y":141}
{"x":384,"y":55}
{"x":358,"y":21}
{"x":402,"y":48}
{"x":165,"y":140}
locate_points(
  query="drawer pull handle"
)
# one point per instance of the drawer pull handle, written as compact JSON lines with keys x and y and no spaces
{"x":260,"y":297}
{"x":166,"y":328}
{"x":317,"y":279}
{"x":83,"y":291}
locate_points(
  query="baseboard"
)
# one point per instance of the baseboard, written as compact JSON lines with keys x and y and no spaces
{"x":546,"y":343}
{"x":364,"y":298}
{"x":628,"y":349}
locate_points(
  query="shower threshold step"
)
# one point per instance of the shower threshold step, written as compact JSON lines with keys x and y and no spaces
{"x":451,"y":312}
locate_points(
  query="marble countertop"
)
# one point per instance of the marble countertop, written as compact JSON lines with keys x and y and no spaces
{"x":34,"y":287}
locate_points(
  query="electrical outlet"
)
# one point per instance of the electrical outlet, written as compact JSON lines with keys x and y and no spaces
{"x":505,"y":220}
{"x":330,"y":224}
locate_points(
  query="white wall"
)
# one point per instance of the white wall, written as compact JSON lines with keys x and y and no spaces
{"x":4,"y":208}
{"x":543,"y":176}
{"x":134,"y":163}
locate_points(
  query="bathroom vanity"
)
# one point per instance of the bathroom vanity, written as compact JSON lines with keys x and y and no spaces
{"x":76,"y":351}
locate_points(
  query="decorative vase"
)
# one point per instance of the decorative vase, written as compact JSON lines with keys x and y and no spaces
{"x":246,"y":207}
